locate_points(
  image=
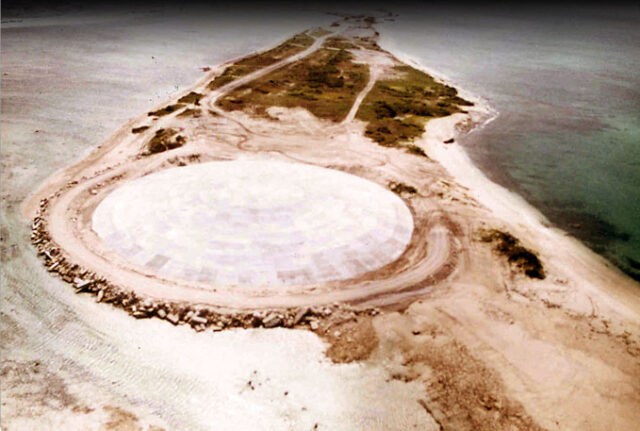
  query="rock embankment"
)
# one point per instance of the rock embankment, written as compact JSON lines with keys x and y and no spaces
{"x":199,"y":317}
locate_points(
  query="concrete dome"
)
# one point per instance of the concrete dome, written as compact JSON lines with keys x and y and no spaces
{"x":255,"y":223}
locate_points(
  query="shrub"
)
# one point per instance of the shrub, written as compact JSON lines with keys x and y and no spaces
{"x":517,"y":255}
{"x":190,"y":112}
{"x":400,"y":188}
{"x":325,"y":83}
{"x":414,"y":149}
{"x":139,"y":129}
{"x":257,"y":61}
{"x":163,"y":140}
{"x":383,"y":110}
{"x":339,"y":43}
{"x":192,"y":97}
{"x":166,"y":110}
{"x":390,"y":131}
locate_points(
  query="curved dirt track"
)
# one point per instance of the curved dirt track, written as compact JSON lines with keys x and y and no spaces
{"x":430,"y":257}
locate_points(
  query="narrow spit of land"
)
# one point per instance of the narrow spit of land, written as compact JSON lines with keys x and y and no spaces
{"x":496,"y":344}
{"x":324,"y":78}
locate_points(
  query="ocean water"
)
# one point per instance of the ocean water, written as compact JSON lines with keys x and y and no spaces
{"x":566,"y":85}
{"x":566,"y":139}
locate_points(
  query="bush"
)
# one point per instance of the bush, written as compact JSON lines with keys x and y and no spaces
{"x":190,"y":112}
{"x":192,"y":97}
{"x":325,"y":83}
{"x":389,"y":131}
{"x":383,"y":110}
{"x":257,"y":61}
{"x":400,"y":188}
{"x":139,"y":129}
{"x":166,"y":110}
{"x":397,"y":108}
{"x":517,"y":255}
{"x":164,"y":140}
{"x":338,"y":42}
{"x":414,"y":149}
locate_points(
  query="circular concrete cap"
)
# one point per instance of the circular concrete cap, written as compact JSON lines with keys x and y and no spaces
{"x":255,"y":223}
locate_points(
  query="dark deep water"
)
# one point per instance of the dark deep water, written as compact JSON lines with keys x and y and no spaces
{"x":566,"y":84}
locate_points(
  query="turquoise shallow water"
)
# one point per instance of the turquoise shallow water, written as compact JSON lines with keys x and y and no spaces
{"x":566,"y":84}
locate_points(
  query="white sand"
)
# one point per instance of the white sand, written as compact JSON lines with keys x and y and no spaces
{"x":592,"y":277}
{"x":187,"y":379}
{"x":70,"y":85}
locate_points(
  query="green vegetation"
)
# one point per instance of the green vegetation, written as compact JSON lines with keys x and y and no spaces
{"x":139,"y":129}
{"x":400,"y":188}
{"x":368,"y":43}
{"x":397,"y":109}
{"x":319,"y":32}
{"x":164,"y":140}
{"x":192,"y":97}
{"x":166,"y":110}
{"x":518,"y":256}
{"x":190,"y":112}
{"x":325,"y":83}
{"x":339,"y":42}
{"x":257,"y":61}
{"x":414,"y":149}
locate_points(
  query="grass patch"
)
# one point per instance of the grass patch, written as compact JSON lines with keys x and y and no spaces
{"x":166,"y":110}
{"x":401,"y":188}
{"x":250,"y":64}
{"x":325,"y":83}
{"x":139,"y":129}
{"x":164,"y":140}
{"x":389,"y":131}
{"x":397,"y":109}
{"x":368,"y":43}
{"x":339,"y":42}
{"x":518,"y":256}
{"x":319,"y":32}
{"x":191,"y":98}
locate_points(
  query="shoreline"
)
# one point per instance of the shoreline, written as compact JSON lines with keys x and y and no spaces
{"x":580,"y":323}
{"x":578,"y":225}
{"x":527,"y":221}
{"x":508,"y":204}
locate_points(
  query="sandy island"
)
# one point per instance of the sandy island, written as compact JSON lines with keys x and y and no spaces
{"x":492,"y":347}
